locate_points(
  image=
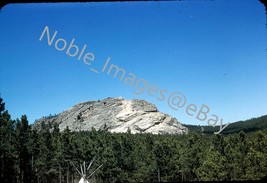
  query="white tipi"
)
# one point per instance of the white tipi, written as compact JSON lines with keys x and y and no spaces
{"x":82,"y":180}
{"x":83,"y":171}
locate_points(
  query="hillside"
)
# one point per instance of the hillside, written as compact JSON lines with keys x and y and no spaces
{"x":115,"y":115}
{"x":30,"y":155}
{"x":250,"y":125}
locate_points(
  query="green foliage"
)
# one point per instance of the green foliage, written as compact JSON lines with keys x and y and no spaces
{"x":251,"y":125}
{"x":8,"y":166}
{"x":27,"y":155}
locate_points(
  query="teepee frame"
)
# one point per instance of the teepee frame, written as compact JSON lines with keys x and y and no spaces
{"x":84,"y":171}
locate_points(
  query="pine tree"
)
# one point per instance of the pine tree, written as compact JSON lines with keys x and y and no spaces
{"x":256,"y":158}
{"x":23,"y":132}
{"x":191,"y":156}
{"x":45,"y":170}
{"x":213,"y":167}
{"x":7,"y":148}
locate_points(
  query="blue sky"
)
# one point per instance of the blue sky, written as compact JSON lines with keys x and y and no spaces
{"x":214,"y":52}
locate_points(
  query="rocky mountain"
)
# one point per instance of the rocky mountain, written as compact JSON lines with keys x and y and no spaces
{"x":115,"y":115}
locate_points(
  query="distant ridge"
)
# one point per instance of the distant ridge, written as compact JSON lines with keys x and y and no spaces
{"x":250,"y":125}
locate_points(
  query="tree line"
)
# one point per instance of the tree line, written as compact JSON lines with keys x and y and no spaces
{"x":31,"y":156}
{"x":250,"y":125}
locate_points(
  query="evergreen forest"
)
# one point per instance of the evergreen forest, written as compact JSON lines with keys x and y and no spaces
{"x":31,"y":156}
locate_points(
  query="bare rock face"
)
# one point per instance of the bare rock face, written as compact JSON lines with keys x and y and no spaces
{"x":115,"y":115}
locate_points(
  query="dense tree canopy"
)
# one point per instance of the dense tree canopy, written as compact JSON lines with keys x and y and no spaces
{"x":27,"y":155}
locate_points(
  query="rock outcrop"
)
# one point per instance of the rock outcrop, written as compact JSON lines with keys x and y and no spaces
{"x":115,"y":115}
